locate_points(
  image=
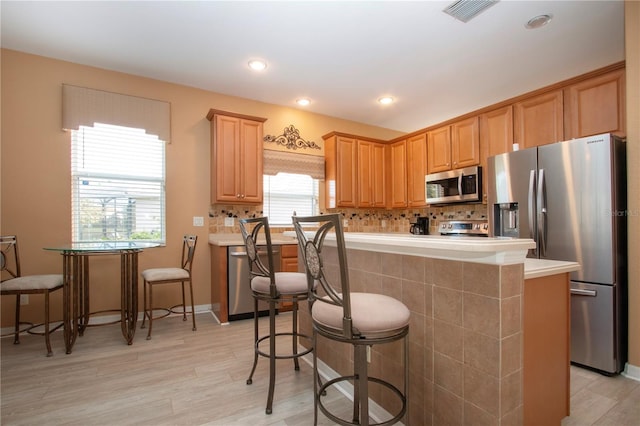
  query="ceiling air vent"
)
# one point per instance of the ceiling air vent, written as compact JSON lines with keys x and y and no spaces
{"x":465,"y":10}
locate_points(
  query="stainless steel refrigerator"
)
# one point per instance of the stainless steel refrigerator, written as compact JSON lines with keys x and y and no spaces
{"x":570,"y":197}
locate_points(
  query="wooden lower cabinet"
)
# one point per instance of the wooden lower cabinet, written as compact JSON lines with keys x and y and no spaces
{"x":288,"y":263}
{"x":546,"y":357}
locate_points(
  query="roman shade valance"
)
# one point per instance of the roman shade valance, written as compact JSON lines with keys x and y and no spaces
{"x":286,"y":162}
{"x":82,"y":106}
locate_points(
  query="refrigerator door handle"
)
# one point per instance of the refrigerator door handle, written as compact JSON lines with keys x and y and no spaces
{"x":542,"y":213}
{"x":580,"y":292}
{"x":532,"y":189}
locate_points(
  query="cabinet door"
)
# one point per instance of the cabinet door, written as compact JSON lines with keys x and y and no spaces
{"x":371,"y":174}
{"x":250,"y":165}
{"x":346,"y":163}
{"x":365,"y":174}
{"x":236,"y":160}
{"x":379,"y":172}
{"x":465,"y":143}
{"x":496,"y":137}
{"x":225,"y":153}
{"x":596,"y":106}
{"x":439,"y":150}
{"x":539,"y":120}
{"x":416,"y":170}
{"x":398,"y":174}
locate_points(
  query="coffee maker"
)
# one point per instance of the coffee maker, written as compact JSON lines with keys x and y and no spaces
{"x":420,"y":226}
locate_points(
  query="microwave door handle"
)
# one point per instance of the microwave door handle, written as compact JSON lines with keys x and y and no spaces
{"x":542,"y":216}
{"x":532,"y":203}
{"x":460,"y":184}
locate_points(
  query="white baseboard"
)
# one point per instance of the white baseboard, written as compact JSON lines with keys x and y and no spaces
{"x":105,"y":319}
{"x":376,"y":412}
{"x":631,"y":372}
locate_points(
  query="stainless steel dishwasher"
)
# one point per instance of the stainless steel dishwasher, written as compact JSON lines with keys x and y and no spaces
{"x":239,"y":293}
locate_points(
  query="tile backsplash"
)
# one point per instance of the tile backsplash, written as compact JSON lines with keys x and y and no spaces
{"x":358,"y":220}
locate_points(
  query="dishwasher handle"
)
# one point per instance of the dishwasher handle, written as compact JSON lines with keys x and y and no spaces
{"x":260,"y":252}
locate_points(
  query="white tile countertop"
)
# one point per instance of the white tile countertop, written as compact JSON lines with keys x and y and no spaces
{"x":472,"y":249}
{"x":536,"y":268}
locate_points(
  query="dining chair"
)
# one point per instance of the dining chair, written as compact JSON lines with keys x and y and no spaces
{"x":171,"y":275}
{"x":14,"y":283}
{"x":359,"y":319}
{"x":273,"y":288}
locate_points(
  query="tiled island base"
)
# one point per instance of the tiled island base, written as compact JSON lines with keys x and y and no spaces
{"x":465,"y":337}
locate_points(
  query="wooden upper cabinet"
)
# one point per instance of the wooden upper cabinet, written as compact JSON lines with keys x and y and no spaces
{"x":539,"y":120}
{"x":595,"y":106}
{"x":397,"y":176}
{"x":340,"y":171}
{"x":416,"y":170}
{"x":371,"y":174}
{"x":455,"y":146}
{"x":465,"y":143}
{"x":496,"y":132}
{"x":439,"y":150}
{"x":236,"y":158}
{"x":496,"y":137}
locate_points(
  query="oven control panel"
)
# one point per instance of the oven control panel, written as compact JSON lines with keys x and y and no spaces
{"x":471,"y":228}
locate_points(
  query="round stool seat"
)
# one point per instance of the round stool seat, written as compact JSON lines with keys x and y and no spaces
{"x":286,"y":282}
{"x":372,"y":315}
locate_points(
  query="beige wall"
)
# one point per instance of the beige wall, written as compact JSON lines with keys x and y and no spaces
{"x":36,"y":189}
{"x":632,"y":47}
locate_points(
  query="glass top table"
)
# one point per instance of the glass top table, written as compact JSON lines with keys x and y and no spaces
{"x":75,"y":268}
{"x":103,"y":246}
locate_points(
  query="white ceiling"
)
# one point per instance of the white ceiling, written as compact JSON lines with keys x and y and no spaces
{"x":341,"y":55}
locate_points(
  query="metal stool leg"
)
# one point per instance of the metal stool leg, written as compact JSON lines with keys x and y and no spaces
{"x":255,"y":339}
{"x":193,"y":309}
{"x":272,"y":355}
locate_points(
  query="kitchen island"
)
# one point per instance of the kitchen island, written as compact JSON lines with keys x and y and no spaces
{"x":489,"y":330}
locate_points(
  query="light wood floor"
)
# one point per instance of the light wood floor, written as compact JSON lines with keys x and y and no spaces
{"x":181,"y":377}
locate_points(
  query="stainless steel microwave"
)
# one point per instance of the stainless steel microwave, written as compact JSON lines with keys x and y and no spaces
{"x":454,"y":186}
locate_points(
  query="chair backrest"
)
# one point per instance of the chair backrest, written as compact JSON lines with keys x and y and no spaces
{"x":338,"y":292}
{"x":256,"y":231}
{"x":188,"y":251}
{"x":9,"y":258}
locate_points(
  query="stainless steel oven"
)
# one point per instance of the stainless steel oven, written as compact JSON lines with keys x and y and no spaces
{"x":467,"y":228}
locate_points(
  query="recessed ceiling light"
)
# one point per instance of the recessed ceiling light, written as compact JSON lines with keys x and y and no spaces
{"x":538,"y":21}
{"x":385,"y":100}
{"x":303,"y":101}
{"x":257,"y":64}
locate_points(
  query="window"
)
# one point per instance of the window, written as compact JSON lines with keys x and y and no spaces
{"x":118,"y":184}
{"x":286,"y":193}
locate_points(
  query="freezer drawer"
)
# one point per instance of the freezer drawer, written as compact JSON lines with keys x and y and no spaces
{"x":594,"y":336}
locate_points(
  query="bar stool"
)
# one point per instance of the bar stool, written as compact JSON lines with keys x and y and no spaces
{"x":271,"y":287}
{"x":359,"y":319}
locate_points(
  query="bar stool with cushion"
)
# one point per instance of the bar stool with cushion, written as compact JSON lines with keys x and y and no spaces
{"x":273,"y":288}
{"x":13,"y":283}
{"x":359,"y":319}
{"x":182,"y":275}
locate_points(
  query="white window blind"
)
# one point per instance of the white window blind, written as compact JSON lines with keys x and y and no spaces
{"x":118,"y":184}
{"x":286,"y":193}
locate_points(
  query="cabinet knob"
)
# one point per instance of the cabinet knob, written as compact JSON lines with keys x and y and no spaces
{"x":238,"y":196}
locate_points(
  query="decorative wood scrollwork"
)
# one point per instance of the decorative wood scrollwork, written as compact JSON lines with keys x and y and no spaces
{"x":290,"y":139}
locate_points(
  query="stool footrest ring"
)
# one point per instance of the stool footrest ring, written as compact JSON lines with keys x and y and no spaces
{"x":286,"y":356}
{"x":323,"y":388}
